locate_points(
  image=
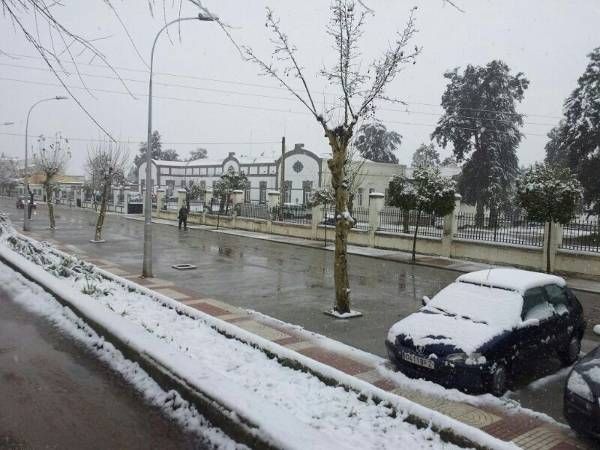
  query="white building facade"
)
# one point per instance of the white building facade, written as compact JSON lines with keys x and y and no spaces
{"x":305,"y":171}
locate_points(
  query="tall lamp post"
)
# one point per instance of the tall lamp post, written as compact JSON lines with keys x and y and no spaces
{"x":147,"y":263}
{"x":26,"y":226}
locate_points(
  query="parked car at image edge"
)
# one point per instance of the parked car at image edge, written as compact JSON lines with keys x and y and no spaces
{"x":581,"y":405}
{"x":477,"y":331}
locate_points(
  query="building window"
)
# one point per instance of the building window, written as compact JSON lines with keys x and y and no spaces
{"x":306,"y":191}
{"x":182,"y":184}
{"x":203,"y":185}
{"x":287,"y":191}
{"x":359,"y":197}
{"x":262,"y":192}
{"x":386,"y":198}
{"x":247,"y":192}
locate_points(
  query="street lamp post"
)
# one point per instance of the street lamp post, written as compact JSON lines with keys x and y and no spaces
{"x":147,"y":263}
{"x":26,"y":226}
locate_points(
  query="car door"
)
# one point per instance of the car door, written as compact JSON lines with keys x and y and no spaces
{"x":558,"y":298}
{"x":539,"y":322}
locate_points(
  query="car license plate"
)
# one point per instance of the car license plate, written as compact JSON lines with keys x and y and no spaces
{"x":423,"y":362}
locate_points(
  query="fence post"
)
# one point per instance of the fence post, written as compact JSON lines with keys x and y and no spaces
{"x":557,"y":231}
{"x":180,"y":198}
{"x":237,"y":197}
{"x":115,"y":193}
{"x":450,"y":227}
{"x":160,"y":201}
{"x":317,"y":218}
{"x":376,"y":203}
{"x":273,"y":201}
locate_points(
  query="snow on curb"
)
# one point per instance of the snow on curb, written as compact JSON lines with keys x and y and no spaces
{"x":286,"y":431}
{"x":36,"y":300}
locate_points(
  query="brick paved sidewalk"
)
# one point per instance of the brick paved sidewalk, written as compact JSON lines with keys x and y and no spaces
{"x":521,"y":428}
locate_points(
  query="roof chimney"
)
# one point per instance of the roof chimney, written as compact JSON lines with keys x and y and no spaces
{"x":298,"y":146}
{"x":231,"y":154}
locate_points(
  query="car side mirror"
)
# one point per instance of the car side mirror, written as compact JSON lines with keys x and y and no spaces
{"x":530,"y":323}
{"x":425,"y":300}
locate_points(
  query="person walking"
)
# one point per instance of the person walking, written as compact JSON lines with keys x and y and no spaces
{"x":183,"y":214}
{"x":30,"y":204}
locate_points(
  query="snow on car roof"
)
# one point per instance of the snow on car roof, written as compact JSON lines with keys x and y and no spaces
{"x":513,"y":279}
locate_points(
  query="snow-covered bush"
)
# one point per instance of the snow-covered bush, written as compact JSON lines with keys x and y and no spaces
{"x":549,"y":194}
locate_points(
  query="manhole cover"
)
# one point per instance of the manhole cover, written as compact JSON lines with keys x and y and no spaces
{"x":183,"y":266}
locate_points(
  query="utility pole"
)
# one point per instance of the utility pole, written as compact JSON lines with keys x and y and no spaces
{"x":282,"y":187}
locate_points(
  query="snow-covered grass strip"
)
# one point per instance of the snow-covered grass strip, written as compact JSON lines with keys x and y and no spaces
{"x":292,"y":408}
{"x":35,"y":300}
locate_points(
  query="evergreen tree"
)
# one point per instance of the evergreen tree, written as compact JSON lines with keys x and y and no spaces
{"x":426,"y":156}
{"x":549,"y":194}
{"x":199,"y":153}
{"x":157,"y":153}
{"x":481,"y":123}
{"x":576,"y":140}
{"x":375,"y":143}
{"x":428,"y":192}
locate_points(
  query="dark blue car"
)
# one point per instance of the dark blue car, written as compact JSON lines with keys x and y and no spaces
{"x":477,"y":331}
{"x":582,"y":395}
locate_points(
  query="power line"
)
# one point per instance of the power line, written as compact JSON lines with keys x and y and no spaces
{"x":260,"y":108}
{"x":225,"y":91}
{"x":217,"y":80}
{"x":136,"y":141}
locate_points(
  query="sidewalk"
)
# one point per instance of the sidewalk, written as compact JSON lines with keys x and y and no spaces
{"x":523,"y":429}
{"x":581,"y":284}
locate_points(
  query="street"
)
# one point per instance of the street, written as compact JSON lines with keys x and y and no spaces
{"x":56,"y":394}
{"x":293,"y":284}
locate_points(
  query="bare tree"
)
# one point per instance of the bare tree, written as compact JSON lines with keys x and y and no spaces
{"x":358,"y":92}
{"x":51,"y":161}
{"x":106,"y":165}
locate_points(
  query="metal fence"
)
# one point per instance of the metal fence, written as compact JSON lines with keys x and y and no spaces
{"x":254,"y":210}
{"x":360,"y":214}
{"x":516,"y":229}
{"x":396,"y":220}
{"x":298,"y":214}
{"x":581,"y":234}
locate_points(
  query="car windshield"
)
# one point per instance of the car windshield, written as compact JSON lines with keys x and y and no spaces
{"x":493,"y":306}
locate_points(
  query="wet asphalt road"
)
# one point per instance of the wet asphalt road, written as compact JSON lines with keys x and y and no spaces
{"x":56,"y":395}
{"x":291,"y":283}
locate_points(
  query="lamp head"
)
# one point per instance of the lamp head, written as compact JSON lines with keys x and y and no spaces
{"x":205,"y":18}
{"x":60,"y":97}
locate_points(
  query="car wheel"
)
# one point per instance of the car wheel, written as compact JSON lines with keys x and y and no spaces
{"x":499,"y":380}
{"x":570,"y":354}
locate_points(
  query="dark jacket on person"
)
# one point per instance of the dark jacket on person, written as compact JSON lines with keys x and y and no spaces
{"x":183,"y":213}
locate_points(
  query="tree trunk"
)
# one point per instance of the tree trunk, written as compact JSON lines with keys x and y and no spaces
{"x":414,"y":248}
{"x":50,"y":206}
{"x":102,"y":213}
{"x":405,"y":220}
{"x":479,"y":215}
{"x":343,"y":222}
{"x":549,"y":247}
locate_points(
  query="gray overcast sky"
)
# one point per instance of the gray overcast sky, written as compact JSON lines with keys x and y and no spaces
{"x":224,"y":99}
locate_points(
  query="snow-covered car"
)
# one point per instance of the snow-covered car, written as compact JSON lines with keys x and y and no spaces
{"x":582,"y":395}
{"x":477,"y":331}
